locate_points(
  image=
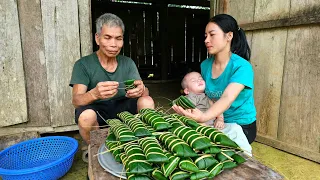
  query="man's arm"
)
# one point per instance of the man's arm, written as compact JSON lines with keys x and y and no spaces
{"x":80,"y":96}
{"x":103,"y":90}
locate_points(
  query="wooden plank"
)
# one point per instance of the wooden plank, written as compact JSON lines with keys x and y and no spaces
{"x":9,"y":140}
{"x":286,"y":22}
{"x":249,"y":35}
{"x":251,"y":168}
{"x":85,"y":21}
{"x":13,"y":92}
{"x":300,"y":8}
{"x":163,"y":19}
{"x":62,"y":49}
{"x":242,"y":11}
{"x":213,"y":8}
{"x":34,"y":63}
{"x":299,"y":123}
{"x":271,"y":10}
{"x":188,"y":38}
{"x":140,"y":37}
{"x":125,"y":16}
{"x":43,"y":129}
{"x":134,"y":36}
{"x":198,"y":30}
{"x":289,"y":147}
{"x":96,"y":139}
{"x":148,"y":36}
{"x":204,"y":3}
{"x":268,"y":61}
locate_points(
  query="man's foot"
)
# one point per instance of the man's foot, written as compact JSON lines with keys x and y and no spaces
{"x":85,"y":156}
{"x":84,"y":146}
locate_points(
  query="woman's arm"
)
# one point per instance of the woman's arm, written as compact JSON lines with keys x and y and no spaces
{"x":229,"y":95}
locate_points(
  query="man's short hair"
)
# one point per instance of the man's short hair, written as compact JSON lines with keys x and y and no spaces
{"x":110,"y":20}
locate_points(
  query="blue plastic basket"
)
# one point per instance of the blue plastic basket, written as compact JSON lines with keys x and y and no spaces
{"x":41,"y":158}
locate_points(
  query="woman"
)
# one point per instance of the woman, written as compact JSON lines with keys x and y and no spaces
{"x":228,"y":76}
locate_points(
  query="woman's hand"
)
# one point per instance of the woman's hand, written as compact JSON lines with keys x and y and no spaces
{"x":136,"y":92}
{"x":195,"y":114}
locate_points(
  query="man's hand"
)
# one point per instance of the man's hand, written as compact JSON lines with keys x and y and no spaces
{"x":136,"y":92}
{"x":105,"y":90}
{"x":219,"y":123}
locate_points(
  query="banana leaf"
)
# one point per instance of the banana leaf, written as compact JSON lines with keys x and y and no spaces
{"x":216,"y":136}
{"x":205,"y":161}
{"x":136,"y":160}
{"x":139,"y":177}
{"x":135,"y":124}
{"x":115,"y":153}
{"x":111,"y":136}
{"x":155,"y":120}
{"x":129,"y":84}
{"x":177,"y":145}
{"x":168,"y":168}
{"x":215,"y":169}
{"x":214,"y":149}
{"x":122,"y":132}
{"x":238,"y":159}
{"x":179,"y":175}
{"x":196,"y":140}
{"x":153,"y":150}
{"x":144,"y":110}
{"x":228,"y":164}
{"x":184,"y":102}
{"x":186,"y":164}
{"x":158,"y":175}
{"x":187,"y":121}
{"x":173,"y":121}
{"x":225,"y":154}
{"x":199,"y":175}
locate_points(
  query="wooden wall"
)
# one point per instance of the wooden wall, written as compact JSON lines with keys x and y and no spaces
{"x":39,"y":42}
{"x":285,"y":43}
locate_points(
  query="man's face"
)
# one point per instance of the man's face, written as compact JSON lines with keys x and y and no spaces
{"x":110,"y":40}
{"x":195,"y":83}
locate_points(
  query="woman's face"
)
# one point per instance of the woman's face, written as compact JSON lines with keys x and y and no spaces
{"x":215,"y":39}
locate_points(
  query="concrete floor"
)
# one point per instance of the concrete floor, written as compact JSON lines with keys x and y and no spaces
{"x":290,"y":166}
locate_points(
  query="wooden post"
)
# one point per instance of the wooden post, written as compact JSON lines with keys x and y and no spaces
{"x":34,"y":60}
{"x":213,"y":7}
{"x":13,"y":91}
{"x":163,"y":19}
{"x":85,"y":24}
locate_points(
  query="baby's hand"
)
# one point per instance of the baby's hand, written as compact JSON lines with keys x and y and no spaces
{"x":219,"y":123}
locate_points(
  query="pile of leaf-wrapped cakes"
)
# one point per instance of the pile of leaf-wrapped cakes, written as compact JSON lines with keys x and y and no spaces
{"x":154,"y":145}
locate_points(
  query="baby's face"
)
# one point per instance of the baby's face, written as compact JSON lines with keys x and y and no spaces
{"x":195,"y":83}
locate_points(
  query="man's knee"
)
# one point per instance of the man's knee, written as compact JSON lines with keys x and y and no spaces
{"x":87,"y":118}
{"x":145,"y":102}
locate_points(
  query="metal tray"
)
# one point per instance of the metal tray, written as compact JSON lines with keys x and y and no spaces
{"x":108,"y":162}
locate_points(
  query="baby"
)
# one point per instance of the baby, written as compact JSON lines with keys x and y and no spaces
{"x":193,"y":86}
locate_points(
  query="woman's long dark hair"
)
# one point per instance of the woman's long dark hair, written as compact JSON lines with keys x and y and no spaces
{"x":239,"y":43}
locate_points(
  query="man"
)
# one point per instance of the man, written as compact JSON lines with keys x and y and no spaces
{"x":97,"y":80}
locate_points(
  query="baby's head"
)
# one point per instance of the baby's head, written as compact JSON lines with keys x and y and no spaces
{"x":193,"y":82}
